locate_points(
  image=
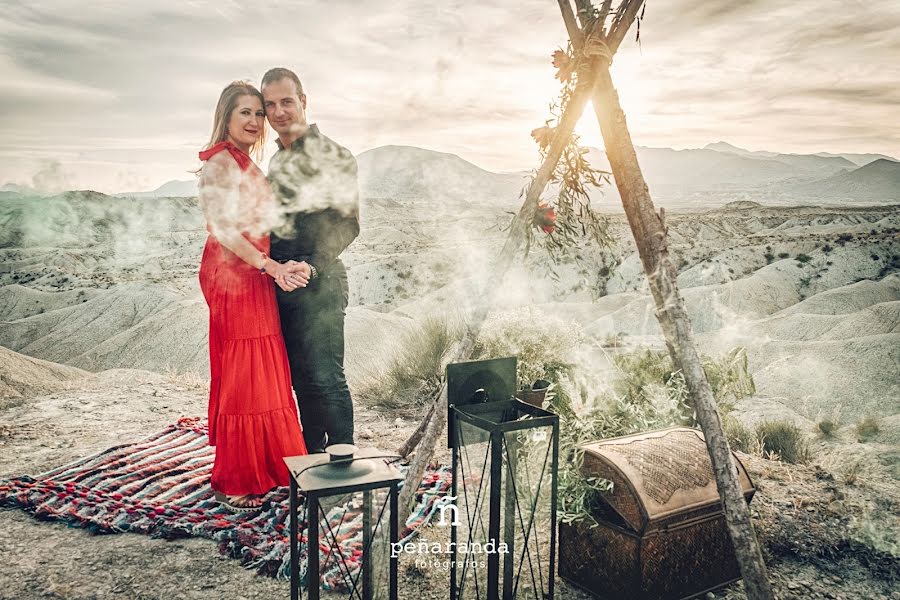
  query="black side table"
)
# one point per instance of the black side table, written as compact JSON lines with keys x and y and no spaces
{"x":343,"y":470}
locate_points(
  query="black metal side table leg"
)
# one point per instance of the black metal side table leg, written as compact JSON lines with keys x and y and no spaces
{"x":312,"y":546}
{"x":394,"y":538}
{"x":367,"y":587}
{"x":295,"y":554}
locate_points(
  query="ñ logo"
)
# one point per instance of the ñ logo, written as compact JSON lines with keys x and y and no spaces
{"x":450,"y":505}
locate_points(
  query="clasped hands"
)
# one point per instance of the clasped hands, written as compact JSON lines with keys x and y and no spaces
{"x":291,"y":275}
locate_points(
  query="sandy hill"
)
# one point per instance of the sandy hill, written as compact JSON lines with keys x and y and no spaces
{"x":766,"y":291}
{"x":881,"y":318}
{"x":67,"y":334}
{"x":149,"y":327}
{"x":23,"y":376}
{"x":832,"y":351}
{"x":19,"y":302}
{"x":850,"y":298}
{"x":852,"y":377}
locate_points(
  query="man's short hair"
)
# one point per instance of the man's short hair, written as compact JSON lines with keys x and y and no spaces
{"x":279,"y":73}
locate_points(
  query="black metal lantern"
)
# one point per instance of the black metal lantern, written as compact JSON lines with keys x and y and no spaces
{"x":504,"y":485}
{"x":371,"y":484}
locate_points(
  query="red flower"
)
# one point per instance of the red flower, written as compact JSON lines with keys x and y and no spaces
{"x":545,"y":218}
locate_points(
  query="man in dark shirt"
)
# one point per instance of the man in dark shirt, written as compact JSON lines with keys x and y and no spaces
{"x":314,"y":180}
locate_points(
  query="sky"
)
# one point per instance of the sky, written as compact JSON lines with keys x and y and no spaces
{"x":119,"y":96}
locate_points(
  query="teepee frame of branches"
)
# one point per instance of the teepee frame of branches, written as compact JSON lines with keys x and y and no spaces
{"x":597,"y":34}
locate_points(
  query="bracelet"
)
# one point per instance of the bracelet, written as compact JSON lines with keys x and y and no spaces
{"x":313,"y":272}
{"x":265,"y":258}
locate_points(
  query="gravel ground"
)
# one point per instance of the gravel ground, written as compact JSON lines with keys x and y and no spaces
{"x":805,"y":516}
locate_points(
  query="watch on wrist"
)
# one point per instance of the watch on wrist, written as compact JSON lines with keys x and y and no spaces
{"x":313,"y":272}
{"x":265,"y":258}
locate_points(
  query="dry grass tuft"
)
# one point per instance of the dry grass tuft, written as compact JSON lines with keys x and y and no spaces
{"x":416,"y":372}
{"x":783,"y":440}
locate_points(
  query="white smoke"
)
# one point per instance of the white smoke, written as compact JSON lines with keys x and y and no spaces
{"x":51,"y":178}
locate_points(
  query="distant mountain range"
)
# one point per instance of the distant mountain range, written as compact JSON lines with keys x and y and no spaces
{"x":170,"y":189}
{"x":878,"y":180}
{"x":16,"y":189}
{"x":857,"y":159}
{"x":405,"y":173}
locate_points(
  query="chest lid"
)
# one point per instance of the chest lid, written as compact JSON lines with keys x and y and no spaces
{"x":658,"y":475}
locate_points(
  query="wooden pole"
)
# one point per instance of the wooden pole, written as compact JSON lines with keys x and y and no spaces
{"x":650,"y":235}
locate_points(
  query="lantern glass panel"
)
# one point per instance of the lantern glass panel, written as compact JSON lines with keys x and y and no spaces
{"x":505,"y":476}
{"x":341,"y":572}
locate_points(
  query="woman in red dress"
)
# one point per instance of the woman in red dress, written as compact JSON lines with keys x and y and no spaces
{"x":252,"y":415}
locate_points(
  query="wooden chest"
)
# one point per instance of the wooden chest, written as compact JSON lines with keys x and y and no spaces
{"x":662,"y":533}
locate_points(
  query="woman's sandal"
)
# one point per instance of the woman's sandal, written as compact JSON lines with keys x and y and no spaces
{"x":240,"y":504}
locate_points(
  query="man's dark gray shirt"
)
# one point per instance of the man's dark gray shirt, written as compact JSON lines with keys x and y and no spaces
{"x":316,"y":185}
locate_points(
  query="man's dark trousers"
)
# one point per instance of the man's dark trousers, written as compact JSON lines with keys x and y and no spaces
{"x":312,"y":321}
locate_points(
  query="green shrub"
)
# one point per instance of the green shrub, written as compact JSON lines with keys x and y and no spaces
{"x":740,"y":437}
{"x":729,"y":377}
{"x":803,"y":258}
{"x":867,"y":429}
{"x":783,"y":255}
{"x":784,"y":440}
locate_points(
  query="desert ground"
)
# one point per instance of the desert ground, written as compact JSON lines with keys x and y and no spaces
{"x":103,"y":341}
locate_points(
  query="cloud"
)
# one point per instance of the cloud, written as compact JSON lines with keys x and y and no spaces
{"x":125,"y":79}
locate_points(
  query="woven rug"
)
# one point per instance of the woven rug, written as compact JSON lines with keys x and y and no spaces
{"x":159,"y":487}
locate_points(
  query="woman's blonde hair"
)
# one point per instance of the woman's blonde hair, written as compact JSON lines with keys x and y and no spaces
{"x":228,"y":101}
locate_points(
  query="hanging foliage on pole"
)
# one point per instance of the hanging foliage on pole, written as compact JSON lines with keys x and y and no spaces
{"x":568,"y":219}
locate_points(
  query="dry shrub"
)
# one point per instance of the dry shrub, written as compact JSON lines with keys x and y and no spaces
{"x":783,"y":440}
{"x":867,"y":429}
{"x":851,"y":471}
{"x":613,"y":340}
{"x":827,"y":427}
{"x":417,"y":370}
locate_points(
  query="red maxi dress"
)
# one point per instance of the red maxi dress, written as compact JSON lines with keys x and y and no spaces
{"x":253,"y":419}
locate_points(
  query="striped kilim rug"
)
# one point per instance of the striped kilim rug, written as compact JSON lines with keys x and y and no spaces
{"x":159,"y":487}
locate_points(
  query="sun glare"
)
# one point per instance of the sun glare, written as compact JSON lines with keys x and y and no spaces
{"x":588,"y":130}
{"x":626,"y":78}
